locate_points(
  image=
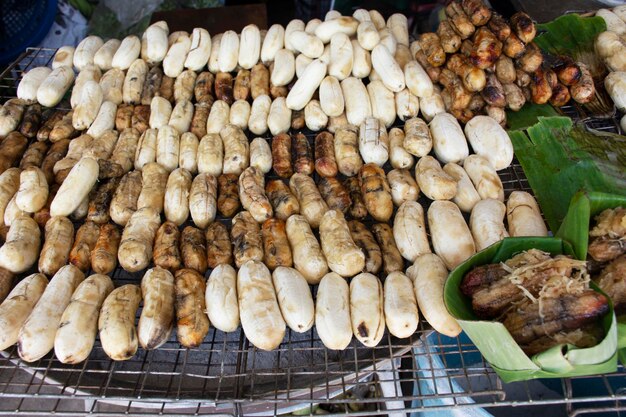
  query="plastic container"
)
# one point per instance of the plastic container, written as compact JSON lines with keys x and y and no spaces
{"x":24,"y":23}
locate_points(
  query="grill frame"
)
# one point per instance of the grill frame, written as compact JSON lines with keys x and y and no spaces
{"x":304,"y":373}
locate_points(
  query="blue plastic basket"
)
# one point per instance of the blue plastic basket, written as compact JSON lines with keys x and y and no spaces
{"x":23,"y":23}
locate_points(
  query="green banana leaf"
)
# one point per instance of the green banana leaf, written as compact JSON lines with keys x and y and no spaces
{"x":497,"y":345}
{"x":570,"y":34}
{"x":560,"y":159}
{"x":528,"y":115}
{"x":584,"y":207}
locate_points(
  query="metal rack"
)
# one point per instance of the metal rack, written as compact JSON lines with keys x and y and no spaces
{"x":227,"y":375}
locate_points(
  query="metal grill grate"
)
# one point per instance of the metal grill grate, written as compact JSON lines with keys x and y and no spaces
{"x":426,"y":372}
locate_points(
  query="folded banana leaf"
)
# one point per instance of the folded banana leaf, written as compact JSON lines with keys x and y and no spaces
{"x":582,"y":209}
{"x":496,"y":343}
{"x":560,"y":159}
{"x":575,"y":229}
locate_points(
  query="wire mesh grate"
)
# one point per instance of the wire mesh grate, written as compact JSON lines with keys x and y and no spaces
{"x":427,"y":372}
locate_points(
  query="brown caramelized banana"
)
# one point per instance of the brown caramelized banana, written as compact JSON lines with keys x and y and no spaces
{"x":43,"y":134}
{"x":297,"y":119}
{"x":513,"y":47}
{"x":455,"y":96}
{"x":12,"y":148}
{"x":278,"y":91}
{"x":531,"y":59}
{"x":219,"y":249}
{"x":200,"y":117}
{"x":228,"y":194}
{"x":86,"y":237}
{"x":496,"y":113}
{"x":203,"y":89}
{"x":376,"y":192}
{"x":357,"y":209}
{"x":63,"y":129}
{"x":487,"y":48}
{"x":540,"y":87}
{"x":612,"y":280}
{"x":246,"y":237}
{"x":522,"y":79}
{"x":152,"y":85}
{"x":57,"y":151}
{"x":34,"y":155}
{"x":463,"y":115}
{"x":493,"y":93}
{"x":124,"y":201}
{"x":166,"y":253}
{"x":241,"y":91}
{"x":259,"y":81}
{"x":478,"y":13}
{"x":283,"y":201}
{"x":303,"y":156}
{"x":31,"y":121}
{"x":584,"y":90}
{"x":515,"y":99}
{"x":281,"y":155}
{"x":99,"y":206}
{"x":104,"y":254}
{"x":567,"y":71}
{"x":523,"y":27}
{"x":551,"y":77}
{"x":325,"y":162}
{"x":466,"y":47}
{"x":392,"y":260}
{"x":431,"y":45}
{"x":477,"y":103}
{"x":450,"y":40}
{"x":193,"y":249}
{"x":364,"y":239}
{"x":124,"y":117}
{"x":224,"y":87}
{"x":459,"y":20}
{"x":166,"y":90}
{"x":481,"y":277}
{"x":141,"y":118}
{"x":505,"y":70}
{"x":335,"y":194}
{"x":529,"y":321}
{"x":192,"y":323}
{"x":499,"y":26}
{"x":275,"y":244}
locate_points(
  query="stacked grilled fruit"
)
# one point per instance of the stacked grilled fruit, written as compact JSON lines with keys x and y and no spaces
{"x":182,"y":158}
{"x":485,"y":64}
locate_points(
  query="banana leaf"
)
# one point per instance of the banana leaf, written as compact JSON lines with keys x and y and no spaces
{"x":570,"y":34}
{"x":528,"y":115}
{"x":577,"y":222}
{"x":575,"y":229}
{"x":560,"y":159}
{"x":498,"y":346}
